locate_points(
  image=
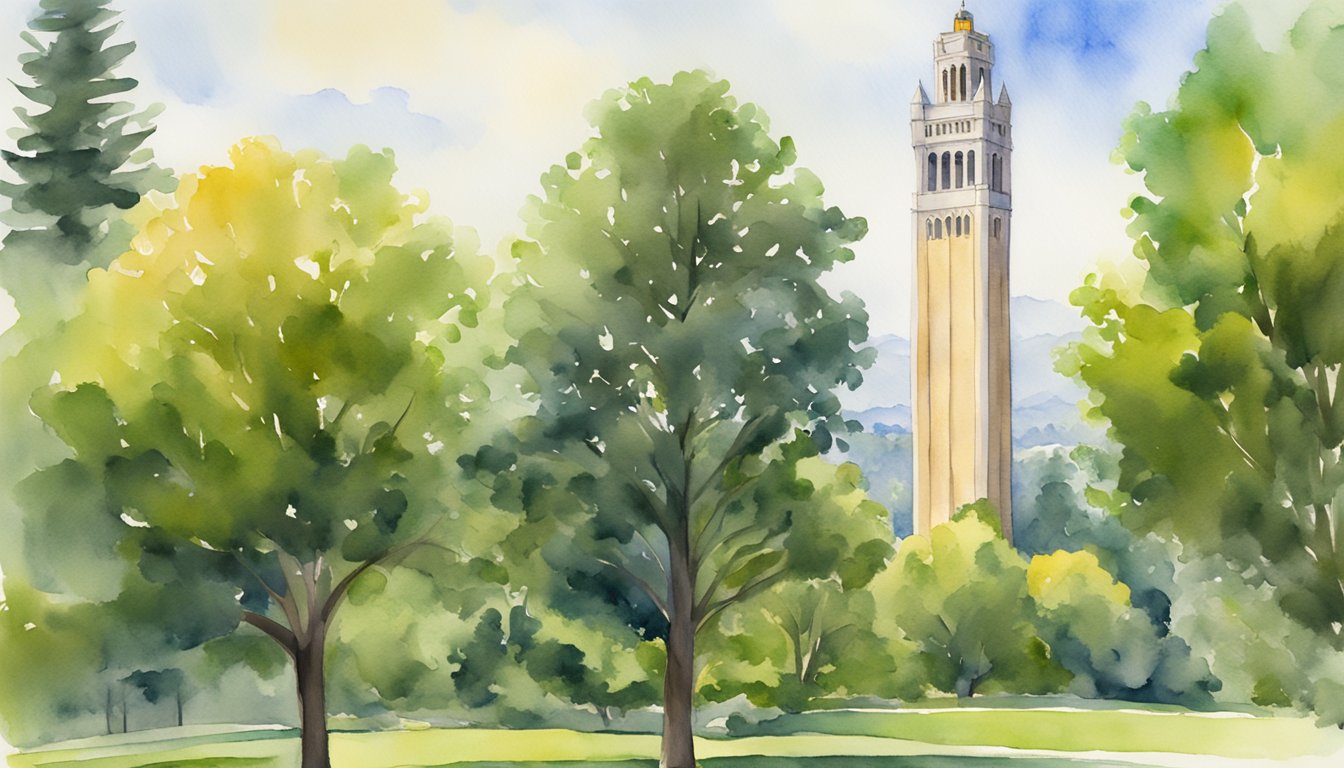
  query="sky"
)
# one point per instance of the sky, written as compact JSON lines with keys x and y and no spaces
{"x":478,"y":98}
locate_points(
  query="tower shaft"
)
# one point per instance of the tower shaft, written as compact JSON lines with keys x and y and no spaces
{"x":961,"y":230}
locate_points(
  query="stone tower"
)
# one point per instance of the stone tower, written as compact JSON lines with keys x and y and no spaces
{"x":962,"y":404}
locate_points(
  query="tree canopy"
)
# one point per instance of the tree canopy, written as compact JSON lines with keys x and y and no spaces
{"x":80,"y":158}
{"x":683,"y":358}
{"x":267,"y":391}
{"x":1218,"y":368}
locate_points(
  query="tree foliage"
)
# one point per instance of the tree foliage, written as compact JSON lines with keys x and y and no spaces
{"x":1219,"y":371}
{"x":670,"y":458}
{"x":267,"y":391}
{"x":960,"y":594}
{"x":79,"y":158}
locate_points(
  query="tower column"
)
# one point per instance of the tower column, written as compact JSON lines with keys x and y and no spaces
{"x":961,"y":356}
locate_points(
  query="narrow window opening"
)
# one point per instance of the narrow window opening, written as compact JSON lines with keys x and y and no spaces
{"x":933,"y":172}
{"x":938,"y":229}
{"x":947,"y":170}
{"x":970,"y":168}
{"x":961,"y":170}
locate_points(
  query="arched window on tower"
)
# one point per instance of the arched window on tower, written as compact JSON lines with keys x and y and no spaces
{"x":967,"y":223}
{"x":998,"y":227}
{"x":970,"y":168}
{"x":980,"y":81}
{"x":958,"y":226}
{"x":995,"y":174}
{"x":937,"y":229}
{"x":933,"y":172}
{"x":947,"y":224}
{"x":963,"y":82}
{"x":928,"y":229}
{"x":961,"y":170}
{"x":947,"y":170}
{"x":945,"y":77}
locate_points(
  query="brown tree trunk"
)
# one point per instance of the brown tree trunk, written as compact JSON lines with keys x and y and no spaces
{"x":312,"y":698}
{"x":679,"y":679}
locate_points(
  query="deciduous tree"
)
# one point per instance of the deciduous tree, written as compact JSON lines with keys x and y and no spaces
{"x":268,"y":390}
{"x":1217,"y":367}
{"x":683,"y":357}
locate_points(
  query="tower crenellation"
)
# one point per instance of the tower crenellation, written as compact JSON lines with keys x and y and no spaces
{"x":962,"y":139}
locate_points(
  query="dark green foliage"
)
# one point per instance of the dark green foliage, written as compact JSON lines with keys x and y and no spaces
{"x":478,"y":662}
{"x":660,"y":465}
{"x":81,"y":156}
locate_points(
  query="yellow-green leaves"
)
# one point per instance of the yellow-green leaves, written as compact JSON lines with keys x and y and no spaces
{"x":276,"y":377}
{"x":1055,"y":579}
{"x":1220,"y":379}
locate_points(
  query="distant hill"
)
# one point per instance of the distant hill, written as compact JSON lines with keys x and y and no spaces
{"x":1045,"y":404}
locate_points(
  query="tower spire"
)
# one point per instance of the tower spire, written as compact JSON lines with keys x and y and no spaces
{"x":963,"y":21}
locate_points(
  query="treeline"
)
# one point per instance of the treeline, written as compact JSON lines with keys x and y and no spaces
{"x":283,"y":434}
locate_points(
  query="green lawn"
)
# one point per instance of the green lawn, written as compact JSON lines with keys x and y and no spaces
{"x":897,"y":739}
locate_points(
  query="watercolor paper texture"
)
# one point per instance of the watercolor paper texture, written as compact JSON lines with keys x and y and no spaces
{"x":739,"y":384}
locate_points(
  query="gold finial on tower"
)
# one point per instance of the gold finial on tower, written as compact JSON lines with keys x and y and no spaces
{"x":964,"y":21}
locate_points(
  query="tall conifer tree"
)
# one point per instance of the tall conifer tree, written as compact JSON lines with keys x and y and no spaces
{"x":81,"y":158}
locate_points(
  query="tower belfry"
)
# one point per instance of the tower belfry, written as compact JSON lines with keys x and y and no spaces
{"x":962,"y":214}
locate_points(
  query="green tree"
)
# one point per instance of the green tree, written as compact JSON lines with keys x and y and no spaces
{"x":1112,"y":649}
{"x":960,"y":593}
{"x":668,"y":314}
{"x":1258,"y":653}
{"x":79,"y":160}
{"x":800,"y":642}
{"x":1218,"y":368}
{"x":268,"y":390}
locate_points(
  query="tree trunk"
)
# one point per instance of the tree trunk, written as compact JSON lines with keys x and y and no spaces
{"x":679,"y":679}
{"x":179,"y":705}
{"x":312,"y":698}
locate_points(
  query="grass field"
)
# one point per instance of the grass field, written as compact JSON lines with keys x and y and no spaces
{"x":1039,"y":738}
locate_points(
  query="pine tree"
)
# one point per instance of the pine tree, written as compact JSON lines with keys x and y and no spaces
{"x":81,"y":159}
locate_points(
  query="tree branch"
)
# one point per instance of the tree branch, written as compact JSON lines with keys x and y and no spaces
{"x":388,"y":558}
{"x":275,"y":630}
{"x":286,"y":604}
{"x":644,"y":585}
{"x":289,"y":568}
{"x":743,"y":435}
{"x":662,"y":569}
{"x":735,"y":560}
{"x":765,"y":582}
{"x":717,"y":516}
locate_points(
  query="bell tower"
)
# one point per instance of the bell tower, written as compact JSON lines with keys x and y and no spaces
{"x":963,"y":142}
